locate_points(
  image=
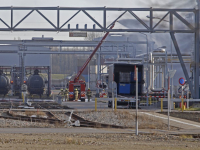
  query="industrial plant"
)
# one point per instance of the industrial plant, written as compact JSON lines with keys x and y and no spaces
{"x":132,"y":69}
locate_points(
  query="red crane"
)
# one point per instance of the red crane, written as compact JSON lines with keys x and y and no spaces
{"x":79,"y":84}
{"x":88,"y":60}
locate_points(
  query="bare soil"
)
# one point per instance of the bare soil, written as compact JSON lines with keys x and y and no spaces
{"x":57,"y":141}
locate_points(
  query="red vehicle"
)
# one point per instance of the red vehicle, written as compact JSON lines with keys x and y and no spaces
{"x":80,"y":84}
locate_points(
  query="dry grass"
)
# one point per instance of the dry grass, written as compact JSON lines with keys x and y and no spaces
{"x":70,"y":140}
{"x":186,"y":136}
{"x":92,"y":141}
{"x":150,"y":122}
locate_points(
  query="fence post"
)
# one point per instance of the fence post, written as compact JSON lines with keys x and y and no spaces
{"x":95,"y":104}
{"x":161,"y":104}
{"x":136,"y":116}
{"x":115,"y":103}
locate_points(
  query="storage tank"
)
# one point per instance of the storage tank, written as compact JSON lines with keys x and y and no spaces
{"x":4,"y":83}
{"x":36,"y":83}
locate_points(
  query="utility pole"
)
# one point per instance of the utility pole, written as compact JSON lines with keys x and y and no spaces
{"x":147,"y":72}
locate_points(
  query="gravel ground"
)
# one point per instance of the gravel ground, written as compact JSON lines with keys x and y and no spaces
{"x":9,"y":123}
{"x":120,"y":117}
{"x":123,"y":118}
{"x":97,"y":141}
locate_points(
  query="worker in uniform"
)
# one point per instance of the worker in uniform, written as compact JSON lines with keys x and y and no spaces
{"x":66,"y":94}
{"x":104,"y":93}
{"x":89,"y":93}
{"x":24,"y":92}
{"x":61,"y":93}
{"x":76,"y":94}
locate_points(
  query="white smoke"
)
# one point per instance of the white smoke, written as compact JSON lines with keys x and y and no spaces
{"x":185,"y":40}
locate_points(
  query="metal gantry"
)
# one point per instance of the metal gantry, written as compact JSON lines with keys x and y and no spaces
{"x":60,"y":43}
{"x":103,"y":26}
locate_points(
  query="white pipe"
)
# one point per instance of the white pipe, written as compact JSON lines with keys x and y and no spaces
{"x":152,"y":76}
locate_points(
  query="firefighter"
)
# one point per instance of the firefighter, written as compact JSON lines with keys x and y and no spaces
{"x":61,"y":93}
{"x":66,"y":94}
{"x":104,"y":93}
{"x":89,"y":93}
{"x":76,"y":94}
{"x":24,"y":92}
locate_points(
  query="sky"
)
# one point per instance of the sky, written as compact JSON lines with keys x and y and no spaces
{"x":100,"y":3}
{"x":33,"y":19}
{"x":69,"y":3}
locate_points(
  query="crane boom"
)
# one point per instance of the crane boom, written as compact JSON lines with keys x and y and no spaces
{"x":90,"y":57}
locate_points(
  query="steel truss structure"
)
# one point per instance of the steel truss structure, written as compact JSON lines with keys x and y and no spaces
{"x":60,"y":43}
{"x":104,"y":27}
{"x":108,"y":47}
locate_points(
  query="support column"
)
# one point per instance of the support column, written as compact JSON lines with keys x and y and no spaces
{"x":22,"y":67}
{"x":183,"y":64}
{"x":49,"y":81}
{"x":147,"y":70}
{"x":98,"y":70}
{"x":166,"y":71}
{"x":196,"y":65}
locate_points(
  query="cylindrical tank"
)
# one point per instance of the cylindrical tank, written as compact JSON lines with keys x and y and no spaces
{"x":4,"y":83}
{"x":35,"y":84}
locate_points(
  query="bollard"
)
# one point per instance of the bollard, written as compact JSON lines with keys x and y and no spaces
{"x":161,"y":104}
{"x":182,"y":107}
{"x":150,"y":100}
{"x":115,"y":103}
{"x":23,"y":97}
{"x":95,"y":104}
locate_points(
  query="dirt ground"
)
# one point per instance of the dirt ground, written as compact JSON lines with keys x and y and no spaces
{"x":57,"y":141}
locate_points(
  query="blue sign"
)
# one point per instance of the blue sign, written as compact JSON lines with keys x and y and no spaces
{"x":181,"y":81}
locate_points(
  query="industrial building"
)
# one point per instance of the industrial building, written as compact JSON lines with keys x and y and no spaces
{"x":150,"y":42}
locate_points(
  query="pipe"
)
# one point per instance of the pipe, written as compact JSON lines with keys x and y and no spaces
{"x":151,"y":84}
{"x":163,"y":54}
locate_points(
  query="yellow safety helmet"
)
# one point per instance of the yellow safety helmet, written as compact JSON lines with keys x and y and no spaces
{"x":88,"y":88}
{"x":61,"y":89}
{"x":66,"y":89}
